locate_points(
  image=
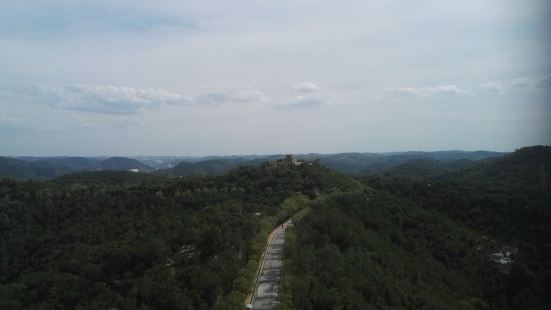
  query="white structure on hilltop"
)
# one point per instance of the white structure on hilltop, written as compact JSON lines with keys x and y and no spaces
{"x":499,"y":258}
{"x":289,"y":159}
{"x":503,"y":256}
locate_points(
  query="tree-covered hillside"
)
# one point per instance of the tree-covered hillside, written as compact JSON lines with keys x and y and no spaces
{"x":207,"y":167}
{"x":507,"y":199}
{"x":415,"y":236}
{"x":113,"y":177}
{"x":47,"y":168}
{"x":360,"y":251}
{"x":41,"y":170}
{"x":424,"y":239}
{"x":187,"y":243}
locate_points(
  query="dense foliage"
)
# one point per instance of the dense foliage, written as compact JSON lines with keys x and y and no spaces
{"x":46,"y":168}
{"x":360,"y":251}
{"x":507,"y":199}
{"x":186,"y":243}
{"x":106,"y":177}
{"x":422,"y":240}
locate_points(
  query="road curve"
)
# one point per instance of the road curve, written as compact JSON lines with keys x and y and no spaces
{"x":266,"y":287}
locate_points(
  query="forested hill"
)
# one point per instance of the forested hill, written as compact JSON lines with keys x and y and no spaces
{"x":403,"y":238}
{"x":207,"y":167}
{"x":530,"y":165}
{"x":18,"y":169}
{"x":507,"y":199}
{"x":106,"y":177}
{"x":426,"y":168}
{"x":123,"y":163}
{"x":506,"y":196}
{"x":348,"y":163}
{"x":47,"y":168}
{"x":370,"y":163}
{"x":184,"y":243}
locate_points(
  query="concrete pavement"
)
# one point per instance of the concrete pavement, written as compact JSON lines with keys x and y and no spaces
{"x":266,"y":290}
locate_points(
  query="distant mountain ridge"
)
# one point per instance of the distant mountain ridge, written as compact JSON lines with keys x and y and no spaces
{"x":44,"y":168}
{"x":349,"y":163}
{"x":123,"y":163}
{"x":51,"y":167}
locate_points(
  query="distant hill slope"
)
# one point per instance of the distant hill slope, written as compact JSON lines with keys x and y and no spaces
{"x":507,"y":196}
{"x":349,"y":163}
{"x":76,"y":163}
{"x":529,"y":164}
{"x":106,"y":177}
{"x":51,"y":167}
{"x":207,"y":167}
{"x":161,"y":162}
{"x":366,"y":163}
{"x":428,"y":167}
{"x":123,"y":163}
{"x":17,"y":169}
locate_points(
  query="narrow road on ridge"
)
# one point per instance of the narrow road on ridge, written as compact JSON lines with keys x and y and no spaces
{"x":266,"y":288}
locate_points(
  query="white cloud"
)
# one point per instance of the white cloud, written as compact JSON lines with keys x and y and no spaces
{"x":444,"y":89}
{"x":403,"y":91}
{"x":311,"y":95}
{"x":229,"y":94}
{"x":182,"y":46}
{"x":109,"y":99}
{"x":306,"y":87}
{"x":423,"y":91}
{"x":523,"y":82}
{"x":544,"y":83}
{"x":119,"y":100}
{"x":311,"y":100}
{"x":493,"y":87}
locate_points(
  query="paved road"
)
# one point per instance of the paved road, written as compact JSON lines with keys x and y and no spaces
{"x":265,"y":293}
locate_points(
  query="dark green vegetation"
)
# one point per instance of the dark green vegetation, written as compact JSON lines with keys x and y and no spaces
{"x":349,"y":163}
{"x":427,"y":167}
{"x":186,"y":243}
{"x":14,"y":168}
{"x":106,"y":177}
{"x":358,"y":251}
{"x":207,"y":167}
{"x":422,"y":241}
{"x":44,"y":168}
{"x":415,"y":234}
{"x":123,"y":163}
{"x":369,"y":163}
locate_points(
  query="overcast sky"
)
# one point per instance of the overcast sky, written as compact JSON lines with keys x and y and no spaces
{"x":136,"y":77}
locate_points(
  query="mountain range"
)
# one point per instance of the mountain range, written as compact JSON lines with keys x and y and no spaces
{"x":44,"y":168}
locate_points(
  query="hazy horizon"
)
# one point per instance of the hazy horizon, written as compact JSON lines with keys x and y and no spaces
{"x":207,"y":78}
{"x":253,"y":154}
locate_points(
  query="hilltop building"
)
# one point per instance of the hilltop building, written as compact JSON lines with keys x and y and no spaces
{"x":289,"y":159}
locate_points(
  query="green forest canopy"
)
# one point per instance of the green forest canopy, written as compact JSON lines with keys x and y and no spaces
{"x":410,"y":239}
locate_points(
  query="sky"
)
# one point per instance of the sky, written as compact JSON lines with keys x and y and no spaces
{"x":137,"y":77}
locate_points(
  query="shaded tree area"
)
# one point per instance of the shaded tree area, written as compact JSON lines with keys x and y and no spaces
{"x":158,"y":244}
{"x":507,"y":199}
{"x":360,"y":251}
